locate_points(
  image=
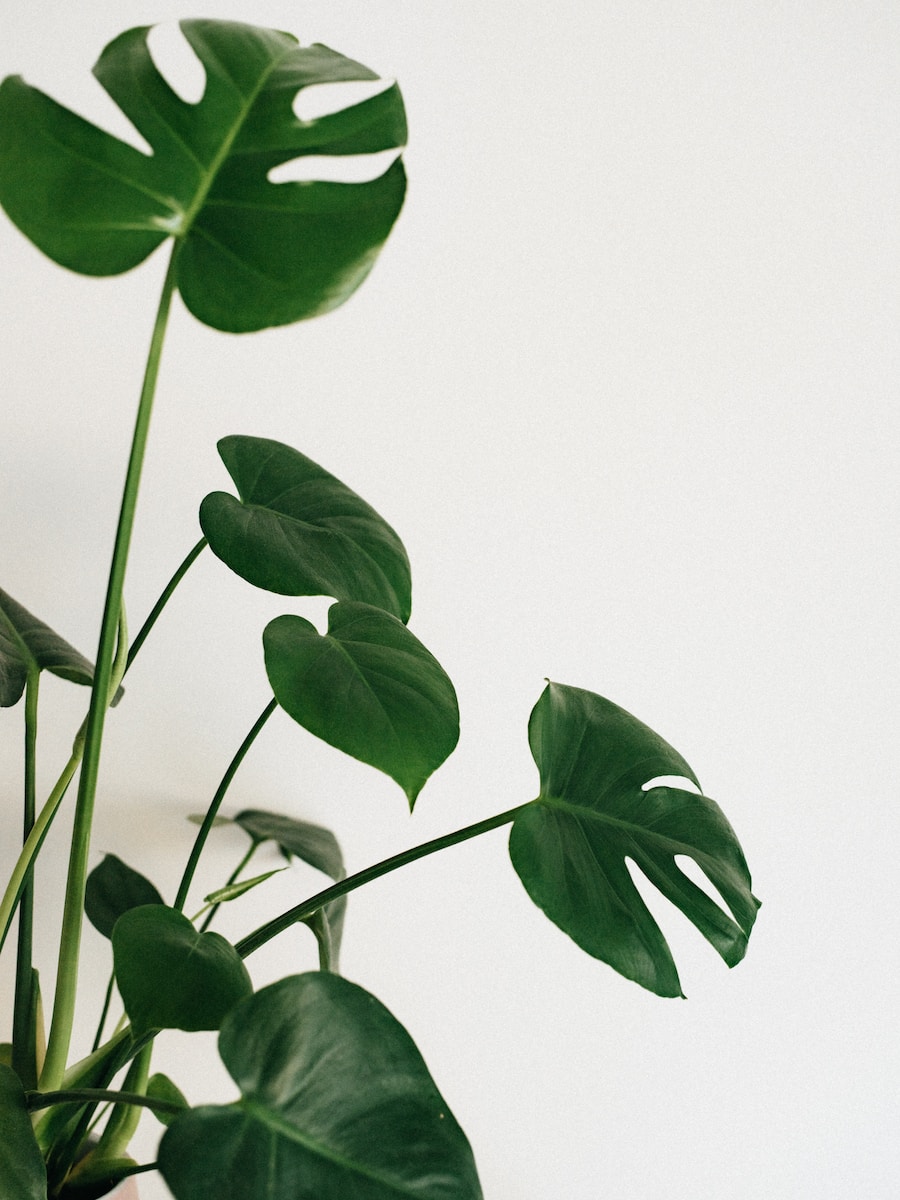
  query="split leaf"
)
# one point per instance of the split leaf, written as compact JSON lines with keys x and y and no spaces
{"x":570,"y":846}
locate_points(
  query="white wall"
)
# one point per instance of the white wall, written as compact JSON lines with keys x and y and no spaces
{"x":625,"y":381}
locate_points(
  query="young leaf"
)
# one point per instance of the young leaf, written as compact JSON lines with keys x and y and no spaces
{"x":231,"y":891}
{"x":112,"y":889}
{"x":172,"y":977}
{"x":253,"y":253}
{"x":22,"y":1172}
{"x":298,"y":531}
{"x":569,"y":847}
{"x":28,"y":644}
{"x":368,"y":687}
{"x":336,"y":1103}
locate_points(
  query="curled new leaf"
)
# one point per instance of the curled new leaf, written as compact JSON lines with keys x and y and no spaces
{"x":367,"y":687}
{"x":298,"y":531}
{"x":252,"y":253}
{"x":570,"y":846}
{"x":336,"y":1103}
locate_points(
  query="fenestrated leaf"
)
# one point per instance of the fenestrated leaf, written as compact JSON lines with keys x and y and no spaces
{"x":22,"y":1172}
{"x":569,"y":847}
{"x":172,"y":977}
{"x":112,"y":889}
{"x":368,"y":687}
{"x":312,"y":844}
{"x":28,"y":644}
{"x":336,"y":1104}
{"x":253,"y":253}
{"x":298,"y":531}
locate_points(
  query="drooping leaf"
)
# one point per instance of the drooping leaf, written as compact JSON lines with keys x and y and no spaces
{"x":312,"y":844}
{"x":253,"y":253}
{"x":570,"y":846}
{"x":368,"y":687}
{"x":28,"y":644}
{"x":172,"y":977}
{"x":161,"y":1087}
{"x":112,"y":889}
{"x":22,"y":1172}
{"x":336,"y":1104}
{"x":298,"y":531}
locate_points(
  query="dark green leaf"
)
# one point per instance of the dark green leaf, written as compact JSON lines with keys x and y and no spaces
{"x":253,"y":253}
{"x":28,"y":644}
{"x":367,"y":687}
{"x":336,"y":1104}
{"x":172,"y":977}
{"x":22,"y":1172}
{"x":161,"y":1087}
{"x":112,"y":889}
{"x":570,"y":847}
{"x":298,"y":531}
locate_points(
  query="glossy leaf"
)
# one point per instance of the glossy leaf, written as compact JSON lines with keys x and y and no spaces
{"x":112,"y":889}
{"x":298,"y":531}
{"x":27,"y":644}
{"x":368,"y":687}
{"x":22,"y":1172}
{"x":336,"y":1104}
{"x":252,"y":253}
{"x":172,"y":977}
{"x":570,"y":847}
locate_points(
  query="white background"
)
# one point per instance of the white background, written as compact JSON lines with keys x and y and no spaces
{"x":625,"y":381}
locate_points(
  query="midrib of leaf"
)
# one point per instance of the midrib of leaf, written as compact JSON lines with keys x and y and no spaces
{"x":31,"y":662}
{"x":278,"y":1125}
{"x":632,"y":828}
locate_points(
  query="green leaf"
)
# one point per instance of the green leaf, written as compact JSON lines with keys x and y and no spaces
{"x":22,"y":1172}
{"x":161,"y":1087}
{"x":27,"y":644}
{"x":368,"y":687}
{"x":172,"y":977}
{"x":112,"y":889}
{"x":336,"y":1104}
{"x":231,"y":891}
{"x":253,"y":253}
{"x":570,"y":847}
{"x":298,"y":531}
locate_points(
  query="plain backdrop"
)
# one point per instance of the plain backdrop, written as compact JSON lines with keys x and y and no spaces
{"x":625,"y":381}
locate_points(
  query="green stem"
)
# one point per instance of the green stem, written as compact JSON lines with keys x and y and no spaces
{"x":303,"y":911}
{"x":104,"y":1013}
{"x":208,"y":820}
{"x":24,"y":1050}
{"x":70,"y":938}
{"x":164,"y":600}
{"x":232,"y":878}
{"x":35,"y":1100}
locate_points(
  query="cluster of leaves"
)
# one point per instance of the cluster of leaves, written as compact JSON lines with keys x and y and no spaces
{"x":335,"y":1100}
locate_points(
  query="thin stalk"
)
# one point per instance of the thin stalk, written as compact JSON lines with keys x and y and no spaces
{"x":163,"y":601}
{"x":70,"y":936}
{"x":302,"y":912}
{"x":215,"y":805}
{"x":36,"y":1100}
{"x":232,"y":878}
{"x":104,"y":1013}
{"x":24,"y":1050}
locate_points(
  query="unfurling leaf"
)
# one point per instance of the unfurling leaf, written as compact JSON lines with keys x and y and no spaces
{"x":570,"y":846}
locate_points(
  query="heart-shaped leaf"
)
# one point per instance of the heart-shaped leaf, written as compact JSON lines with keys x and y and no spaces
{"x":252,"y":253}
{"x":569,"y":847}
{"x":368,"y":687}
{"x":112,"y":889}
{"x":298,"y":531}
{"x":27,"y":644}
{"x":22,"y":1172}
{"x":172,"y":977}
{"x":336,"y":1104}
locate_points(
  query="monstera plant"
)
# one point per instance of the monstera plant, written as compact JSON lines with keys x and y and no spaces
{"x":335,"y":1101}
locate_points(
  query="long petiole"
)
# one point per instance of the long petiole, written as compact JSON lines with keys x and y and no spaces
{"x":70,"y":937}
{"x":163,"y":600}
{"x":24,"y":1049}
{"x":232,"y":878}
{"x":216,"y":804}
{"x":301,"y":912}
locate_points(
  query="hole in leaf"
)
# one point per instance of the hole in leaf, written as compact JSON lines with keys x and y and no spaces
{"x":176,"y":61}
{"x":320,"y":99}
{"x":688,"y":867}
{"x":674,"y":781}
{"x":321,"y":168}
